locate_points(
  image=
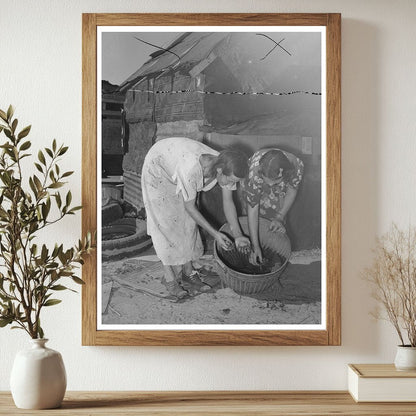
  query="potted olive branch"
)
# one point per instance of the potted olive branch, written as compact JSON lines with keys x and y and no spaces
{"x":31,"y":272}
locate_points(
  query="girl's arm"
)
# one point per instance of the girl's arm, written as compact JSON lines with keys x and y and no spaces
{"x":278,"y":222}
{"x":193,"y":211}
{"x":288,"y":201}
{"x":230,"y":212}
{"x":253,"y":226}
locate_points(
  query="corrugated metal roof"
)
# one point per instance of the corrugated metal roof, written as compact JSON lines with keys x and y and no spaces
{"x":190,"y":47}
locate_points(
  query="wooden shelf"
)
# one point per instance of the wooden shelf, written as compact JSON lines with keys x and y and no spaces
{"x":221,"y":403}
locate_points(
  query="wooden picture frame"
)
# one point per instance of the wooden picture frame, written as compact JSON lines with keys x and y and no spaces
{"x":331,"y":333}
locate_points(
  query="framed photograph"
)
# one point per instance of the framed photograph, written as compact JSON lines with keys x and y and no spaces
{"x":211,"y":172}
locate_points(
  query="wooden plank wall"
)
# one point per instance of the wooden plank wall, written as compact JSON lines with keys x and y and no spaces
{"x":133,"y":189}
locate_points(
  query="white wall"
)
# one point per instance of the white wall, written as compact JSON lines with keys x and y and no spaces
{"x":40,"y":73}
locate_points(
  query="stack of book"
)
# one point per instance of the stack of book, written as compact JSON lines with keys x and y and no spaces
{"x":381,"y":383}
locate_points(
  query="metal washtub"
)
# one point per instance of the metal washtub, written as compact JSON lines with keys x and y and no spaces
{"x":275,"y":246}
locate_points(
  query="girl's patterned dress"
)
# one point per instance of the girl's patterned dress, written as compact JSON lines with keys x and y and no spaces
{"x":269,"y":198}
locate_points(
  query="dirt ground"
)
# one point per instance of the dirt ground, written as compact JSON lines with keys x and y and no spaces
{"x":133,"y":294}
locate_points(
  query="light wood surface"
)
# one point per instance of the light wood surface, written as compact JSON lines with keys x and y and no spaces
{"x":332,"y":334}
{"x":380,"y":371}
{"x":211,"y":19}
{"x":333,"y":178}
{"x":89,"y":173}
{"x":212,"y":403}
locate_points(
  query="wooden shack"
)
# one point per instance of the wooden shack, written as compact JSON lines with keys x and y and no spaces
{"x":245,"y":89}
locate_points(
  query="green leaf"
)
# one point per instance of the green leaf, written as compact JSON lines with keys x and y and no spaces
{"x":45,"y":210}
{"x":68,"y":199}
{"x":34,"y":249}
{"x":67,"y":174}
{"x":66,"y":274}
{"x":77,"y":208}
{"x":58,"y":199}
{"x":25,"y":145}
{"x":5,"y":321}
{"x":60,"y":249}
{"x":63,"y":150}
{"x":5,"y":179}
{"x":55,"y":251}
{"x":42,"y":194}
{"x":56,"y":185}
{"x":37,"y":182}
{"x":59,"y":287}
{"x":10,"y":112}
{"x":44,"y":253}
{"x":14,"y":125}
{"x":51,"y":302}
{"x":41,"y":157}
{"x":62,"y":257}
{"x":24,"y":132}
{"x":54,"y":145}
{"x":3,"y":115}
{"x":39,"y":167}
{"x":8,"y":133}
{"x":49,"y":151}
{"x":33,"y":187}
{"x":40,"y":332}
{"x":34,"y":226}
{"x":76,"y":279}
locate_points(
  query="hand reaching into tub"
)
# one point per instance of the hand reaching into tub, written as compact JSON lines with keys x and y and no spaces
{"x":256,"y":256}
{"x":242,"y":244}
{"x":223,"y":241}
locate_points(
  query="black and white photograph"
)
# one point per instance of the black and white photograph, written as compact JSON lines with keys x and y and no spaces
{"x":211,"y":177}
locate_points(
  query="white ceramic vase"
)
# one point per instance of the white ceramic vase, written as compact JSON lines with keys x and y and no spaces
{"x":405,"y":358}
{"x":38,"y":377}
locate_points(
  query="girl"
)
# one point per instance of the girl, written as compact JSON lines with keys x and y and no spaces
{"x":270,"y":190}
{"x":174,"y":171}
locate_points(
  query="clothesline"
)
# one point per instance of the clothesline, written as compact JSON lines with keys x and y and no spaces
{"x":226,"y":93}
